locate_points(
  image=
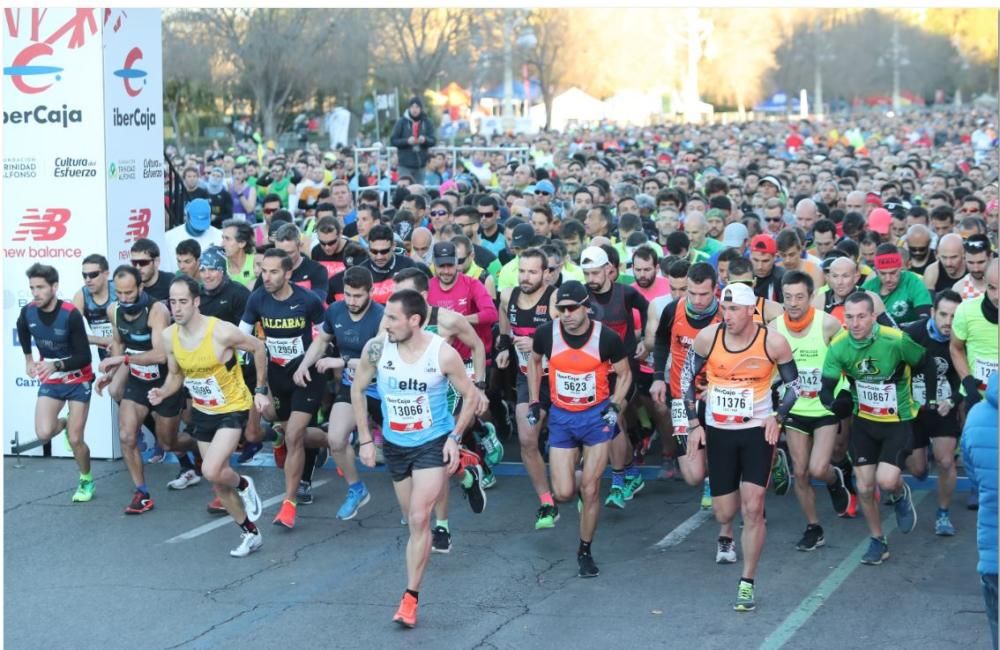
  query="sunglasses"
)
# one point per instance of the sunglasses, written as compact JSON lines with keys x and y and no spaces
{"x":569,"y":309}
{"x":329,"y":243}
{"x":773,"y":219}
{"x":270,"y":210}
{"x":918,"y":250}
{"x":971,"y":246}
{"x":543,"y":192}
{"x":439,"y":213}
{"x":461,"y":260}
{"x":553,"y":269}
{"x":141,"y":263}
{"x":91,"y":275}
{"x":380,"y":251}
{"x":487,"y":215}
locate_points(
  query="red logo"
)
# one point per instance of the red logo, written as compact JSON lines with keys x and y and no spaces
{"x":138,"y":224}
{"x":47,"y":226}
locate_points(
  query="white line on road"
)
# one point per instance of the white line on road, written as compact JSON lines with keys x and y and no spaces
{"x":226,"y":520}
{"x":688,"y":526}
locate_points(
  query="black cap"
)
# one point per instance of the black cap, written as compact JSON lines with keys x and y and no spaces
{"x":415,"y":100}
{"x":444,"y":253}
{"x":522,"y":236}
{"x":572,"y":291}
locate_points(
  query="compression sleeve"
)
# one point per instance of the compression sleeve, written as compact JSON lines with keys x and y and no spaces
{"x":24,"y":333}
{"x":78,"y":343}
{"x":790,"y":378}
{"x":693,"y":365}
{"x":661,"y":345}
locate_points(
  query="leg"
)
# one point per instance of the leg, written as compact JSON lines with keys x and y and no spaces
{"x":130,"y":417}
{"x":800,"y":445}
{"x":117,"y":388}
{"x":594,"y":462}
{"x":341,"y":424}
{"x":78,"y":412}
{"x":754,"y":528}
{"x":944,"y":456}
{"x":426,"y":486}
{"x":47,"y":420}
{"x":865,"y":477}
{"x":295,"y":433}
{"x":530,"y":455}
{"x":562,"y":464}
{"x":916,"y":463}
{"x":215,"y":467}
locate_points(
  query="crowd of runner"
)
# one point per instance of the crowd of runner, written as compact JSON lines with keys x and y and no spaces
{"x":755,"y":306}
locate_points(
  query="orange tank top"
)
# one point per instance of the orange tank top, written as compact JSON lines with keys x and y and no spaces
{"x":682,"y":335}
{"x":739,"y":382}
{"x":578,"y":379}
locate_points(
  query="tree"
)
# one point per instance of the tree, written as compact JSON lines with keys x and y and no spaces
{"x":420,"y":42}
{"x":188,"y":87}
{"x":549,"y":57}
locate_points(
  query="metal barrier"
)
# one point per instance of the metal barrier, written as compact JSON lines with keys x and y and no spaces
{"x":17,"y":448}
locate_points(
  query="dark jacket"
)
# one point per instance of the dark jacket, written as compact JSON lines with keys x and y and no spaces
{"x":414,"y":156}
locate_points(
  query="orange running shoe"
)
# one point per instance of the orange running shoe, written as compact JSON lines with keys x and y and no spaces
{"x":286,"y":516}
{"x":216,"y":507}
{"x":406,"y":615}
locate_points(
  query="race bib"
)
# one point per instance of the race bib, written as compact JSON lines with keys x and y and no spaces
{"x":522,"y":361}
{"x":679,"y":417}
{"x":408,"y":413}
{"x":731,"y":405}
{"x":983,"y":369}
{"x":876,"y":399}
{"x":104,"y":330}
{"x":205,"y":392}
{"x":284,"y":351}
{"x":149,"y":372}
{"x":576,"y":388}
{"x":470,"y":369}
{"x":63,"y":376}
{"x":810,"y":380}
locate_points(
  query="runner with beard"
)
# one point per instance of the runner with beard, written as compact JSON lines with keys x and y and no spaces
{"x":977,"y":257}
{"x":93,"y":300}
{"x":383,"y":262}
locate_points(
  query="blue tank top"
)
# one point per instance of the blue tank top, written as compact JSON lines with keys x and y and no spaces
{"x":414,"y":396}
{"x":97,"y":316}
{"x":351,"y":335}
{"x":53,"y":342}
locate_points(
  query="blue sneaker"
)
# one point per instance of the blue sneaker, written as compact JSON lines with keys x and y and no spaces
{"x":906,"y":514}
{"x":355,"y":499}
{"x":943,"y":525}
{"x":877,"y":553}
{"x":250,"y":450}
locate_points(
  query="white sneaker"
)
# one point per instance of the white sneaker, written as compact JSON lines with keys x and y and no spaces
{"x":186,"y":478}
{"x":726,"y":552}
{"x":249,"y":542}
{"x":251,"y":500}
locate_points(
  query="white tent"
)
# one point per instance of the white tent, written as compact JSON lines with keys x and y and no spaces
{"x":633,"y":107}
{"x":572,"y":106}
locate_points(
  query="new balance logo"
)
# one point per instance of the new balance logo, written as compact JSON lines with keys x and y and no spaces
{"x":138,"y":224}
{"x":47,"y":226}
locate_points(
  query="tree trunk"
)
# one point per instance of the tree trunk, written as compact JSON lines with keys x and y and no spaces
{"x":548,"y":99}
{"x":177,"y":127}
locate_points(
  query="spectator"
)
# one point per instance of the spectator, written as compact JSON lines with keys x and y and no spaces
{"x":413,"y":136}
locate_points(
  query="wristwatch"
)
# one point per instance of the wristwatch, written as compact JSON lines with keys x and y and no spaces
{"x":260,"y":390}
{"x":456,"y":437}
{"x":481,"y":385}
{"x":57,"y":364}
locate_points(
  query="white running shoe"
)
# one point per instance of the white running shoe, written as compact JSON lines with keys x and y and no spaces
{"x":251,"y":500}
{"x":249,"y":542}
{"x":186,"y":478}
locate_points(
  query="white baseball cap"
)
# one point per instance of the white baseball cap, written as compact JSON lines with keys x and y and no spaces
{"x":593,"y":257}
{"x":739,"y":294}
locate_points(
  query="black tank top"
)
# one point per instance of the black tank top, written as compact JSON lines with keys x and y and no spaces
{"x":943,"y":281}
{"x":524,"y":322}
{"x":137,"y":336}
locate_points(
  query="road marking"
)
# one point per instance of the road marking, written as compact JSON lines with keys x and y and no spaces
{"x":226,"y":520}
{"x":686,"y":527}
{"x":801,"y":614}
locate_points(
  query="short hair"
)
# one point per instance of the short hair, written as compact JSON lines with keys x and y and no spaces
{"x":825,"y":225}
{"x":193,"y":288}
{"x":130,"y":271}
{"x":629,"y":222}
{"x":947,"y":294}
{"x":443,"y":203}
{"x":189,"y":247}
{"x":798,"y":277}
{"x":381,"y":232}
{"x":887,"y":249}
{"x":420,"y":280}
{"x":462,"y":240}
{"x":328,"y":225}
{"x":370,"y":209}
{"x":721,"y":201}
{"x":358,"y":277}
{"x":286,"y":260}
{"x":647,"y":253}
{"x":544,"y":209}
{"x":419,"y":202}
{"x":288,"y":232}
{"x":716,"y":184}
{"x":702,"y":271}
{"x":677,"y":242}
{"x":411,"y":302}
{"x":740,"y":266}
{"x":572,"y":229}
{"x":614,"y":259}
{"x":853,"y":223}
{"x":943,"y":213}
{"x":729,"y":254}
{"x":270,"y":197}
{"x":146,"y":245}
{"x":605,"y":212}
{"x":326,"y":207}
{"x":467,"y":211}
{"x":787,"y":239}
{"x":487,"y":201}
{"x":536,"y":253}
{"x":47,"y":273}
{"x":861,"y":296}
{"x":354,"y":253}
{"x":98,"y":259}
{"x":583,"y":190}
{"x":678,"y":268}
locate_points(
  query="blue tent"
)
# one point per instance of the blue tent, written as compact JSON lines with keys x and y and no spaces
{"x":534,"y":90}
{"x":778,"y":103}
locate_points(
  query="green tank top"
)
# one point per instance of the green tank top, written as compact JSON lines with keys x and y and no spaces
{"x":809,"y":352}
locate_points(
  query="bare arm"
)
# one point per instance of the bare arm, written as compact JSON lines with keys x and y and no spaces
{"x":159,"y":320}
{"x":622,"y":384}
{"x":231,"y":336}
{"x":175,"y":376}
{"x":959,"y":357}
{"x":367,"y":368}
{"x":452,"y":324}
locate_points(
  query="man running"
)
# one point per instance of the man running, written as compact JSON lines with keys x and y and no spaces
{"x":93,"y":300}
{"x":582,"y":353}
{"x":937,"y":426}
{"x":201,"y":356}
{"x":64,"y":372}
{"x":414,"y":369}
{"x":287,"y":314}
{"x":974,"y":338}
{"x":906,"y":298}
{"x":875,"y":358}
{"x":523,"y":309}
{"x":811,"y":429}
{"x":740,"y":429}
{"x":978,"y":254}
{"x":139,"y":322}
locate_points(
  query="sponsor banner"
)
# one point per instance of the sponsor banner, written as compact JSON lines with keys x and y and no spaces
{"x":133,"y":123}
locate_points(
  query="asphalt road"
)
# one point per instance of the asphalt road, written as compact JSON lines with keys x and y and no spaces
{"x":87,"y":575}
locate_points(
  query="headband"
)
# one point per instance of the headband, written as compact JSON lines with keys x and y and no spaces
{"x":888,"y":261}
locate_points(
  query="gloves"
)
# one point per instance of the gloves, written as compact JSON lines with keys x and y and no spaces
{"x":682,"y":445}
{"x":534,"y":413}
{"x":610,"y":414}
{"x":843,"y":405}
{"x":972,"y":396}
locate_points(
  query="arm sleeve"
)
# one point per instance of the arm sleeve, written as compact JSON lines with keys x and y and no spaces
{"x":790,"y":378}
{"x":542,"y":344}
{"x":24,"y":333}
{"x":638,"y":301}
{"x":78,"y":343}
{"x":484,"y":305}
{"x":611,"y":345}
{"x":320,"y":281}
{"x":693,"y":364}
{"x":661,"y":346}
{"x":885,"y":319}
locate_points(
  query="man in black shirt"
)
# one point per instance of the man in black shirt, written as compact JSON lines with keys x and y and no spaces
{"x":146,"y":258}
{"x":383,"y":262}
{"x":306,"y":273}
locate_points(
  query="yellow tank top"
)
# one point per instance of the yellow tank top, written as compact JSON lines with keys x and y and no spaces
{"x":214,"y":387}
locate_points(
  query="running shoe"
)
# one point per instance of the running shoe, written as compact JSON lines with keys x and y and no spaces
{"x":811,"y":539}
{"x":249,"y":542}
{"x":355,"y":499}
{"x":547,"y":516}
{"x":322,"y":454}
{"x":489,"y":478}
{"x":877,"y":553}
{"x":616,"y":498}
{"x":475,"y":493}
{"x":304,"y":495}
{"x":440,"y":540}
{"x":668,"y":470}
{"x":779,"y":473}
{"x":852,"y":508}
{"x":744,"y":598}
{"x":943,"y":525}
{"x":286,"y":516}
{"x":973,"y":502}
{"x":249,"y":450}
{"x":185,"y":478}
{"x":406,"y":615}
{"x":906,"y":514}
{"x":251,"y":501}
{"x":280,"y":452}
{"x":633,"y":486}
{"x":706,"y":496}
{"x":491,"y":445}
{"x":725,"y":552}
{"x":156,"y":454}
{"x":587,"y":567}
{"x":216,"y":507}
{"x":84,"y":491}
{"x":839,"y":495}
{"x":141,"y":502}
